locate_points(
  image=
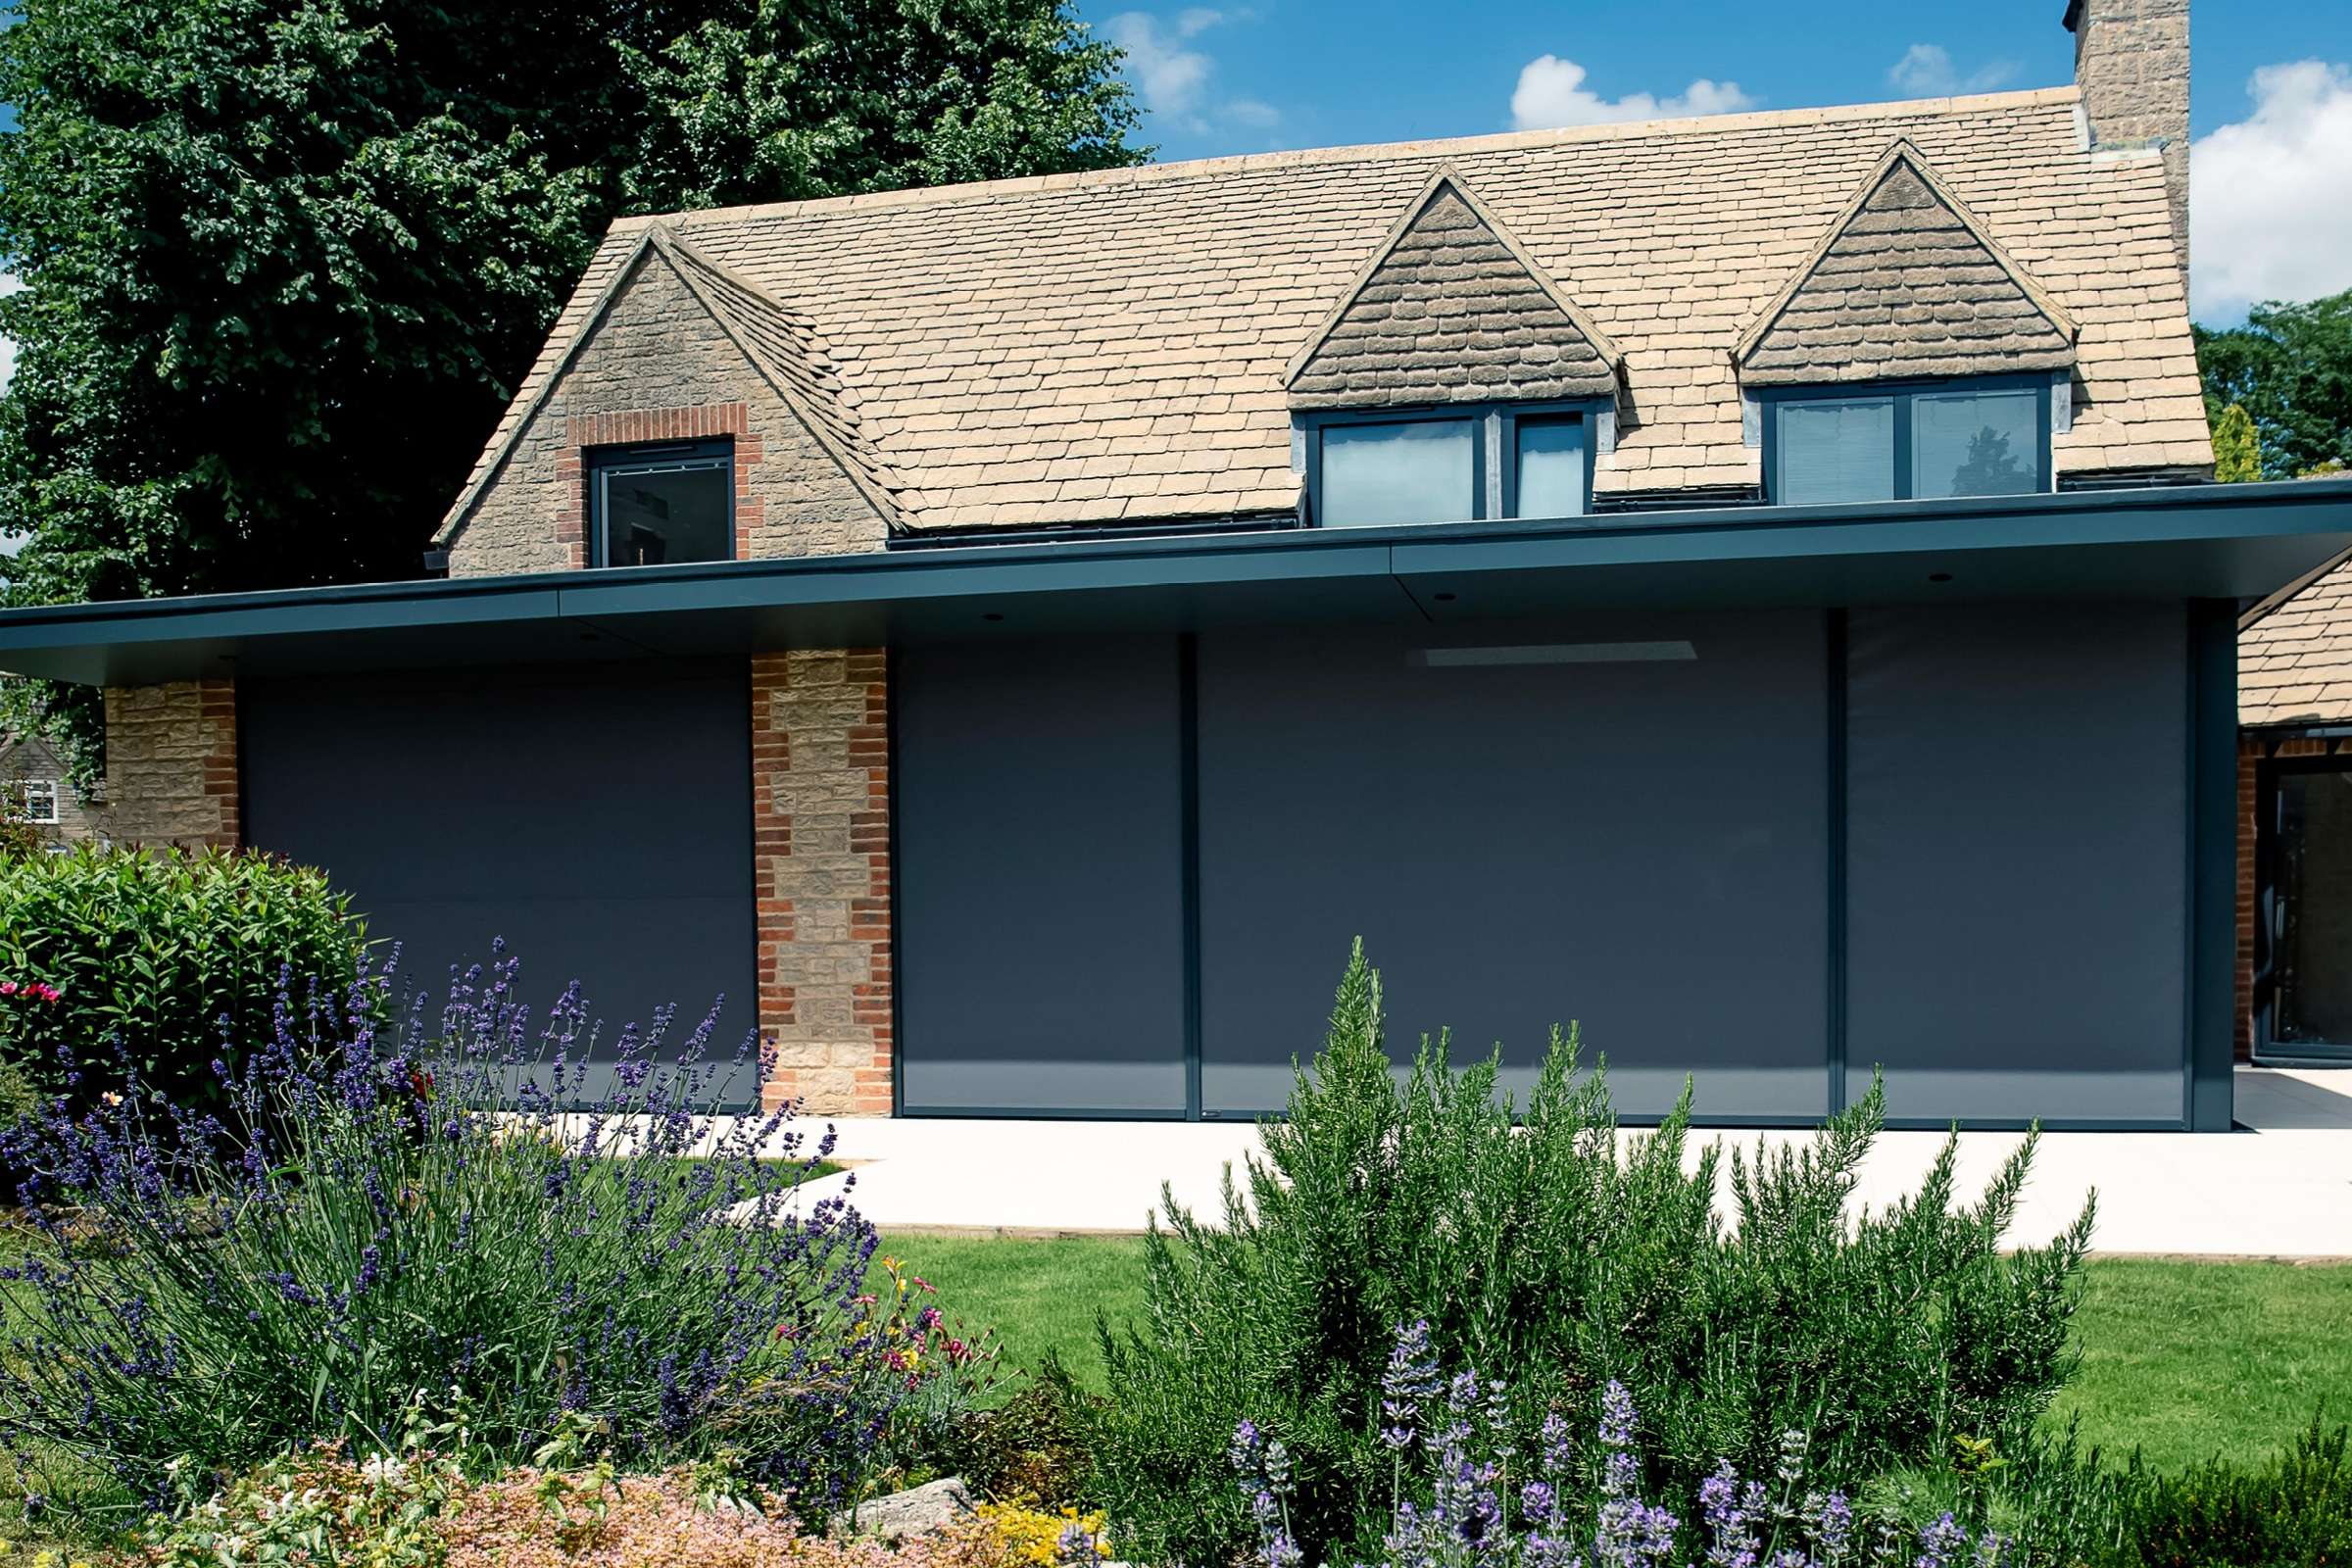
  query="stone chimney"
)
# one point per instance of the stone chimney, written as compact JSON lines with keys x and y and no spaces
{"x":2131,"y":64}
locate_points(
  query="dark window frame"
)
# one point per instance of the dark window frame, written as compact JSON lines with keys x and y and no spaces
{"x":1903,"y":394}
{"x":2268,"y":916}
{"x":1488,"y":503}
{"x":599,"y":463}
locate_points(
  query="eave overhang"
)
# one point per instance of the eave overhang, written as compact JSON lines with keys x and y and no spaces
{"x":2235,"y":542}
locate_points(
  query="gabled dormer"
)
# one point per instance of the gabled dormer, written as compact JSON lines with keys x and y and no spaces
{"x":690,"y":416}
{"x":1454,"y":378}
{"x":1908,"y":356}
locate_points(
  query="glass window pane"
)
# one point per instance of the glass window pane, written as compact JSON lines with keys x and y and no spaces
{"x":658,"y":513}
{"x":1842,"y":451}
{"x":2308,"y":962}
{"x":1551,"y":467}
{"x":1976,"y":444}
{"x":1380,"y":474}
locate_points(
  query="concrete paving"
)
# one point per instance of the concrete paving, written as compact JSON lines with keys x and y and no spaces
{"x":2279,"y":1186}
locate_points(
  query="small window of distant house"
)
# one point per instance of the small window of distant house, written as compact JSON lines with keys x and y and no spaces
{"x":1927,"y":442}
{"x":653,"y":506}
{"x":1369,"y":471}
{"x":37,"y":798}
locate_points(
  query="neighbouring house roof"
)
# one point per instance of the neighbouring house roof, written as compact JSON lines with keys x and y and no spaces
{"x":2294,"y":652}
{"x":783,"y":344}
{"x":1449,"y":308}
{"x":1906,"y":282}
{"x":1110,"y":347}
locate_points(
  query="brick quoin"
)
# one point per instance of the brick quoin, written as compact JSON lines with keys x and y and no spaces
{"x":820,"y":846}
{"x":171,"y":770}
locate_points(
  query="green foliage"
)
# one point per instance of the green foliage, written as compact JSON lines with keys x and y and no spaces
{"x":154,"y":948}
{"x":286,"y":262}
{"x":2290,"y":368}
{"x":2294,"y":1513}
{"x":2236,"y":447}
{"x":1553,"y":1255}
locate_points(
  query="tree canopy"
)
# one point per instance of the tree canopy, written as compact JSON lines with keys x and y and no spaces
{"x":2290,"y":368}
{"x":286,"y":261}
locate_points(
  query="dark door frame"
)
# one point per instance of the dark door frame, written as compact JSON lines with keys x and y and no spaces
{"x":2269,"y":912}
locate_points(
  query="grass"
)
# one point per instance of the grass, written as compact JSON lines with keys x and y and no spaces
{"x":2189,"y":1360}
{"x":2186,"y":1360}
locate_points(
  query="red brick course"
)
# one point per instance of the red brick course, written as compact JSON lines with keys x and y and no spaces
{"x":701,"y":422}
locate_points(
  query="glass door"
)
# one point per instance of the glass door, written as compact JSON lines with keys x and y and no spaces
{"x":2307,"y":914}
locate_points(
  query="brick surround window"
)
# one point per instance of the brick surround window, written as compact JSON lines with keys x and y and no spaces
{"x":597,"y":442}
{"x":657,"y":502}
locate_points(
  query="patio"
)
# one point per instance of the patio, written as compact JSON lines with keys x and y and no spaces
{"x":2279,"y":1187}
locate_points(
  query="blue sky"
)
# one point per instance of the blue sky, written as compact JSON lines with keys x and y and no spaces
{"x":1256,"y":75}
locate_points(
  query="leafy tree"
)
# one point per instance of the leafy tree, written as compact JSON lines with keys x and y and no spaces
{"x":1990,"y":469}
{"x":2291,"y":367}
{"x":2237,"y":447}
{"x":286,"y":260}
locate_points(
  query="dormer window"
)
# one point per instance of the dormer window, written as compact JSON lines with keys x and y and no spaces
{"x":661,"y":503}
{"x":1983,"y":437}
{"x":1454,"y":379}
{"x":1452,"y":464}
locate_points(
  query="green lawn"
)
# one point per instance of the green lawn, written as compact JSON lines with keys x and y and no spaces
{"x":2185,"y":1360}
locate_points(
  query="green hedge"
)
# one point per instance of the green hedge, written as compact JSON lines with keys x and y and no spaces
{"x":175,"y":955}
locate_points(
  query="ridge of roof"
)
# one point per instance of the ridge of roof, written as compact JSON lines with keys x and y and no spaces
{"x":1357,"y":152}
{"x":1445,"y":176}
{"x":1904,"y":153}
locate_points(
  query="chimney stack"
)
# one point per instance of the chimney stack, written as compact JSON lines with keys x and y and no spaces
{"x":2131,"y":64}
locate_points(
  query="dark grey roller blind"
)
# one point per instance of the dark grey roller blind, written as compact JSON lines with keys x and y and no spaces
{"x":1040,"y":875}
{"x":2017,"y":859}
{"x":1620,"y":820}
{"x":599,"y":820}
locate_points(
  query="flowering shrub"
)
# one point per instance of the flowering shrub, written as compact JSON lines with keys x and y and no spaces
{"x":1013,"y":1536}
{"x":154,"y":948}
{"x":1478,"y":1505}
{"x":380,"y":1211}
{"x":1544,"y":1245}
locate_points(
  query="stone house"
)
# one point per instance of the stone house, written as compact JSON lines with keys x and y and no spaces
{"x":35,"y":791}
{"x":1008,"y":639}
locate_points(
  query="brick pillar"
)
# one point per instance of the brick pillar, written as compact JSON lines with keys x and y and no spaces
{"x":171,"y":763}
{"x":820,"y":846}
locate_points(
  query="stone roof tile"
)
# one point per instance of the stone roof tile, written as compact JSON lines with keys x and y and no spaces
{"x":1173,"y":296}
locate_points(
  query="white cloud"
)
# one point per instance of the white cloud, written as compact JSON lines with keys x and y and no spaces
{"x":2269,"y":217}
{"x":1552,"y":92}
{"x":1173,"y":78}
{"x":1926,"y":71}
{"x":10,"y":282}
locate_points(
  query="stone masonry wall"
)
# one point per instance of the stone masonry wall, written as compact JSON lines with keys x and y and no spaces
{"x":2131,"y":64}
{"x":658,"y":366}
{"x":820,"y":846}
{"x":171,"y":763}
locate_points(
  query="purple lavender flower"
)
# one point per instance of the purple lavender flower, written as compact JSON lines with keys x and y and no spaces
{"x":1409,"y":1383}
{"x":1940,"y":1545}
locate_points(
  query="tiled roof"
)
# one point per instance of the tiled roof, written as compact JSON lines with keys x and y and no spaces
{"x":1905,"y":283}
{"x":1105,"y":347}
{"x":1450,"y":310}
{"x":2294,"y":662}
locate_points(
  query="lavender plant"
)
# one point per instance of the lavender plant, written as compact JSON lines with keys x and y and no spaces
{"x":1463,"y":1497}
{"x":380,"y":1216}
{"x":1539,"y":1241}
